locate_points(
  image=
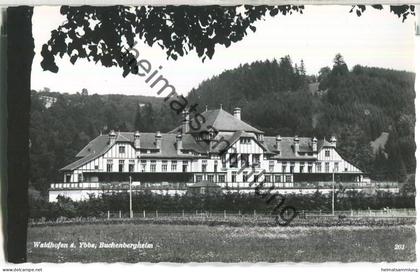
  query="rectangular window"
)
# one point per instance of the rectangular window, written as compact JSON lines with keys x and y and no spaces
{"x":288,"y":178}
{"x":173,"y":166}
{"x":284,"y":167}
{"x":233,"y":160}
{"x":277,"y":178}
{"x":244,"y":160}
{"x":80,"y":177}
{"x":121,"y":149}
{"x":245,"y":140}
{"x":301,"y":166}
{"x":292,"y":167}
{"x":152,"y":166}
{"x":221,"y":178}
{"x":164,"y":166}
{"x":310,"y":166}
{"x":121,"y":166}
{"x":109,"y":165}
{"x":204,"y":166}
{"x":267,"y":178}
{"x":245,"y":176}
{"x":143,"y":165}
{"x":233,"y":176}
{"x":131,"y":166}
{"x":327,"y":153}
{"x":215,"y":166}
{"x":198,"y":178}
{"x":210,"y":178}
{"x":256,"y":177}
{"x":184,"y":166}
{"x":256,"y":160}
{"x":318,"y":167}
{"x":224,"y":162}
{"x":271,"y":166}
{"x":96,"y":167}
{"x":327,"y":167}
{"x":336,"y":167}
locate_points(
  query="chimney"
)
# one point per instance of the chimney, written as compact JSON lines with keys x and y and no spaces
{"x":315,"y":144}
{"x":296,"y":145}
{"x":158,"y":138}
{"x":137,"y":140}
{"x":237,"y":113}
{"x":112,"y":137}
{"x":178,"y":143}
{"x":185,"y":121}
{"x":333,"y":141}
{"x":278,"y":141}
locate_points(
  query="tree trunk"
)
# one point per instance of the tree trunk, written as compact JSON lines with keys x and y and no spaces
{"x":20,"y":53}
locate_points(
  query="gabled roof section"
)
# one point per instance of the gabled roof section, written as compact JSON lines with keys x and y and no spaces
{"x":287,"y":149}
{"x":224,"y":121}
{"x":100,"y":145}
{"x":221,"y":145}
{"x":94,"y":146}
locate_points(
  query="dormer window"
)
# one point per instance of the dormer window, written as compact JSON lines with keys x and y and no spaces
{"x":121,"y":149}
{"x":327,"y":153}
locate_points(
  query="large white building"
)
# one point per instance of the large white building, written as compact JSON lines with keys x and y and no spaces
{"x":224,"y":151}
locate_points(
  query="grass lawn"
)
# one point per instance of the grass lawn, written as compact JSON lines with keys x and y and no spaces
{"x":200,"y":243}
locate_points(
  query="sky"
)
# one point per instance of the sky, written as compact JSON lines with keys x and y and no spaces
{"x":377,"y":38}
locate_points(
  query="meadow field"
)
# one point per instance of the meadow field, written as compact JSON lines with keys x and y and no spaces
{"x":203,"y":243}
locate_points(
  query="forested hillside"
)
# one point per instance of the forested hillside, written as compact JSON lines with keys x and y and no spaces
{"x":369,"y":110}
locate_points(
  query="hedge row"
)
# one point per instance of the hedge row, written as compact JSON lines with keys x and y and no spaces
{"x":96,"y":207}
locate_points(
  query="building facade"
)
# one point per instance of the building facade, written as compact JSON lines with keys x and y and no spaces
{"x":224,"y":151}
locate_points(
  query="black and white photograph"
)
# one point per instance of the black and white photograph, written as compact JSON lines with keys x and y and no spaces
{"x":209,"y":134}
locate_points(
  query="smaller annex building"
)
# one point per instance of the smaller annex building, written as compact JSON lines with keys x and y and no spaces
{"x":231,"y":155}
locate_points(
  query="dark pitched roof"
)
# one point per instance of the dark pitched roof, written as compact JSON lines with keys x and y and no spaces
{"x":224,"y":121}
{"x":221,"y":121}
{"x":100,"y":145}
{"x":287,"y":149}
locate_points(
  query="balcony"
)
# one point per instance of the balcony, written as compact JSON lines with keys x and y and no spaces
{"x":227,"y":185}
{"x":118,"y":186}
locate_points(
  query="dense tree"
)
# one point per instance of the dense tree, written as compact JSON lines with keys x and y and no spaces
{"x":340,"y":67}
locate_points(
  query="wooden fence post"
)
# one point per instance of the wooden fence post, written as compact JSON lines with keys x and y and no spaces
{"x":108,"y":215}
{"x":255,"y":213}
{"x":120,"y":214}
{"x":157,"y":215}
{"x":239,"y":212}
{"x":224,"y":213}
{"x":183,"y":214}
{"x":144,"y":214}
